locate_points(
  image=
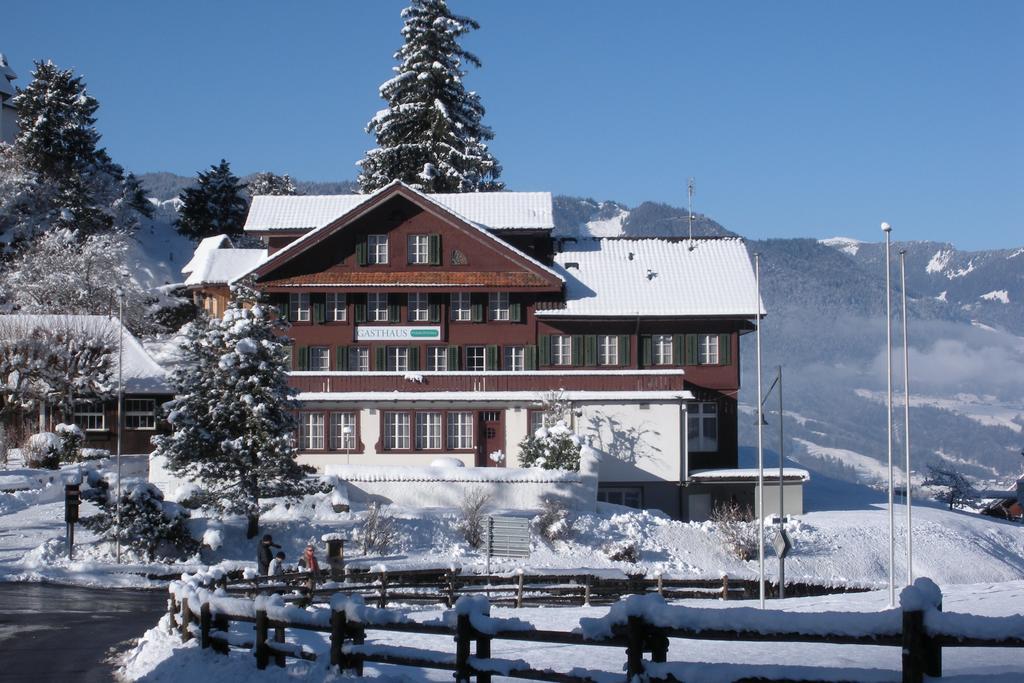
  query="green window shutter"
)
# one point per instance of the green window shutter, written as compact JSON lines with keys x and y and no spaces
{"x":476,"y":311}
{"x":380,"y":359}
{"x":434,"y":308}
{"x":394,"y":313}
{"x":646,"y":351}
{"x":360,"y":308}
{"x":725,"y":349}
{"x":590,"y":349}
{"x":515,"y":312}
{"x":677,"y":348}
{"x":453,"y":358}
{"x":434,"y":249}
{"x":545,"y":349}
{"x":361,"y":258}
{"x":284,"y":308}
{"x":319,"y":305}
{"x":624,"y":358}
{"x":577,"y":349}
{"x":341,"y":358}
{"x":492,"y":357}
{"x":692,"y":350}
{"x":414,"y":358}
{"x":530,"y":357}
{"x":303,"y":358}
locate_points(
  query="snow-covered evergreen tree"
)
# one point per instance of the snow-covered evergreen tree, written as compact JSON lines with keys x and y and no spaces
{"x":214,"y":206}
{"x":233,"y":418}
{"x":62,"y":272}
{"x":952,"y":487}
{"x":431,"y":135}
{"x":148,"y":523}
{"x":73,"y":182}
{"x":270,"y":183}
{"x":553,"y":448}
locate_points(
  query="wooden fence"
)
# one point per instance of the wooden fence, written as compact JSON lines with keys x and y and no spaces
{"x":922,"y":633}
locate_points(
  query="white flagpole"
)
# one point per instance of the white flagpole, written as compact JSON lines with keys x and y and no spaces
{"x":887,"y":229}
{"x":906,"y":417}
{"x":760,"y":443}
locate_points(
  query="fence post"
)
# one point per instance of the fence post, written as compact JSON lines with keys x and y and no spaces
{"x":725,"y":586}
{"x":634,"y":647}
{"x":204,"y":625}
{"x":932,"y":652}
{"x":186,"y":618}
{"x":586,"y":591}
{"x":658,"y":644}
{"x":519,"y":589}
{"x":463,"y":635}
{"x":358,"y":638}
{"x":383,"y":601}
{"x":172,"y":613}
{"x":220,"y":622}
{"x":337,"y":637}
{"x":279,"y":657}
{"x":262,"y":632}
{"x":661,"y":586}
{"x":913,"y":647}
{"x":451,"y":588}
{"x":483,"y":651}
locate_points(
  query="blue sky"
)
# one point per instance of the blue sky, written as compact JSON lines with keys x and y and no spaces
{"x":796,"y":118}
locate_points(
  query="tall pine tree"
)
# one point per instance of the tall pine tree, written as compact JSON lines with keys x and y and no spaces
{"x":233,"y":419}
{"x":73,"y":183}
{"x":431,"y":135}
{"x":265,"y":183}
{"x":214,"y":206}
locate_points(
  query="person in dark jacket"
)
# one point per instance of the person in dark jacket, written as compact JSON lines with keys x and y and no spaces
{"x":265,"y":554}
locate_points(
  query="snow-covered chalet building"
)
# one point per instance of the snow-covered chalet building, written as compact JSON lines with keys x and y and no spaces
{"x":8,"y":114}
{"x":430,"y":326}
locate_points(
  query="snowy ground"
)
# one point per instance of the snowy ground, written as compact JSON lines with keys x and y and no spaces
{"x":161,"y":657}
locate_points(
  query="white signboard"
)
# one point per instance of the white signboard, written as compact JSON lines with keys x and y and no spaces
{"x":397,"y":332}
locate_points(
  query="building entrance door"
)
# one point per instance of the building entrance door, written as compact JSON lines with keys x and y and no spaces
{"x":492,"y":439}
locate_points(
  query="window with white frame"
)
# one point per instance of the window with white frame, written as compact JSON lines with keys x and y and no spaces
{"x":608,"y":349}
{"x":140,"y":413}
{"x":377,"y":307}
{"x":397,"y":359}
{"x":460,"y":430}
{"x":428,"y":431}
{"x":702,"y":426}
{"x":343,"y":431}
{"x":377,"y":249}
{"x":88,"y":415}
{"x":708,"y":347}
{"x":662,"y":349}
{"x":537,"y":420}
{"x":419,"y":307}
{"x":437,"y":358}
{"x":299,"y":304}
{"x":515,"y":358}
{"x":461,"y":306}
{"x":312,"y":431}
{"x":358,"y":359}
{"x":497,"y":306}
{"x":561,"y":349}
{"x":396,"y":430}
{"x":419,"y":249}
{"x":476,"y":358}
{"x":337,"y":308}
{"x":319,"y":358}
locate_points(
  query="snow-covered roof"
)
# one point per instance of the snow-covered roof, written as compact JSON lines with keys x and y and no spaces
{"x":657,"y":277}
{"x":493,"y":210}
{"x":142,"y":374}
{"x":6,"y":76}
{"x":750,"y":474}
{"x":491,"y":396}
{"x":221,"y":266}
{"x":205,"y":246}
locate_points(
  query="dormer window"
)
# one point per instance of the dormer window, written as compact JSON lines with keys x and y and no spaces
{"x":377,"y":249}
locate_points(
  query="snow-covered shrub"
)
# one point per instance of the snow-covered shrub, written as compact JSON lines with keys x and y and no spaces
{"x":553,"y":521}
{"x":623,"y":551}
{"x":952,"y":487}
{"x":736,"y":525}
{"x":379,"y":531}
{"x":93,"y":454}
{"x":148,"y":523}
{"x":471,"y":516}
{"x":553,"y":448}
{"x":43,"y":450}
{"x":190,"y":496}
{"x":71,"y":438}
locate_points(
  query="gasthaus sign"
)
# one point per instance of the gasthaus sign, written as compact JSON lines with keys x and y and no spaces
{"x":397,"y":333}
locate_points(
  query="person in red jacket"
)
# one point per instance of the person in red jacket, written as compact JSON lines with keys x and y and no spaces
{"x":308,"y":561}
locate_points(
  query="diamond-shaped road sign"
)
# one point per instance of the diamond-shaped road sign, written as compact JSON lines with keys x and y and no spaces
{"x":781,"y":543}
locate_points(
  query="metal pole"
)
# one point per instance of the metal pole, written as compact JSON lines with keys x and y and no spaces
{"x":906,"y":417}
{"x":120,"y":413}
{"x":760,"y":443}
{"x":887,"y":229}
{"x":782,"y":507}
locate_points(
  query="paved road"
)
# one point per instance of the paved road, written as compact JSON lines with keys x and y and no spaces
{"x":61,"y":633}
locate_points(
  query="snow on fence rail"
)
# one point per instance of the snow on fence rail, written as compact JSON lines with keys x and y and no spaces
{"x":641,"y":624}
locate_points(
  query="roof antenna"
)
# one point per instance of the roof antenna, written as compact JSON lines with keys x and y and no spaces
{"x":690,"y":188}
